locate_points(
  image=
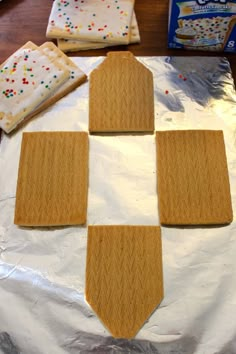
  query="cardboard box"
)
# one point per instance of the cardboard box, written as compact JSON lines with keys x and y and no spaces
{"x":202,"y":25}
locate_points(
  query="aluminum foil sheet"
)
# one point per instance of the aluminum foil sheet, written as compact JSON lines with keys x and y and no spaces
{"x":42,"y":270}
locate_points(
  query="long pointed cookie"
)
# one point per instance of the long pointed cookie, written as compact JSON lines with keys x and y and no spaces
{"x":124,"y":281}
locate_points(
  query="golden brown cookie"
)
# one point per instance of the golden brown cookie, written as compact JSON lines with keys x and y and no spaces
{"x":124,"y":282}
{"x":121,"y":97}
{"x":52,"y":179}
{"x":192,"y":176}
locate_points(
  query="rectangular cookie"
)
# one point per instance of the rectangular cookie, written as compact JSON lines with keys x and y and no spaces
{"x":52,"y":179}
{"x":192,"y":176}
{"x":27,"y":78}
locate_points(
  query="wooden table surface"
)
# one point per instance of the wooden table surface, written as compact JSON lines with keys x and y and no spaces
{"x":24,"y":20}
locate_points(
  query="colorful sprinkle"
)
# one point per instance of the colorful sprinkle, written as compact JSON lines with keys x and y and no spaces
{"x":9,"y":93}
{"x":182,"y":77}
{"x":24,"y":81}
{"x":67,"y":26}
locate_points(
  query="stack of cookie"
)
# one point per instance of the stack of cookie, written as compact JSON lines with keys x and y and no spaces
{"x":32,"y":79}
{"x":80,"y":25}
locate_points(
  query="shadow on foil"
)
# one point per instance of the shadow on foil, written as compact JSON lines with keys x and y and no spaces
{"x":6,"y":344}
{"x":109,"y":345}
{"x":202,"y":79}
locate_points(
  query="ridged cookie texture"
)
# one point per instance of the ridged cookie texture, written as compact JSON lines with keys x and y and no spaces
{"x":121,"y":96}
{"x":192,"y":178}
{"x":124,"y":280}
{"x":52,"y":179}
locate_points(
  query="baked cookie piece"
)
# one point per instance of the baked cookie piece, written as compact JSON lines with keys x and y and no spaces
{"x":52,"y":181}
{"x":193,"y":181}
{"x":121,"y":96}
{"x":124,"y":280}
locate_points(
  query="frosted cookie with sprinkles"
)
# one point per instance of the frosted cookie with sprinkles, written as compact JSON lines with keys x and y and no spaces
{"x":77,"y":76}
{"x":93,"y":20}
{"x":71,"y":45}
{"x":27,"y":78}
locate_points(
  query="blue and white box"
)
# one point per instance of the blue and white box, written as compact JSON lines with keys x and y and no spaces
{"x":202,"y":25}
